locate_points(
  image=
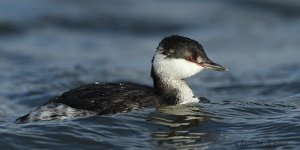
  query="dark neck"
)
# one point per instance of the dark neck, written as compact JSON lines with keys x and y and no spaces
{"x":160,"y":89}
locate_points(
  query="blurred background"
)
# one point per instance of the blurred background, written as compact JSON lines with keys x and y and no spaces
{"x":49,"y":46}
{"x":242,"y":34}
{"x":69,"y":41}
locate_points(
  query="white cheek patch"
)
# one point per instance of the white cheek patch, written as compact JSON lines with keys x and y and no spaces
{"x":174,"y":68}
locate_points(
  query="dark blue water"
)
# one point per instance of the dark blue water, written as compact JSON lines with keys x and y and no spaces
{"x":50,"y":46}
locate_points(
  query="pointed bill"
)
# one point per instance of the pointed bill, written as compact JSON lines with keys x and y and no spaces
{"x":213,"y":66}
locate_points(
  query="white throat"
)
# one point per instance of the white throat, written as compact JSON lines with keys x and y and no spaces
{"x":184,"y":94}
{"x":171,"y":72}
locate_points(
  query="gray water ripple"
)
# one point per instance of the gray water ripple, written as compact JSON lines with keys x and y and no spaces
{"x":191,"y":126}
{"x":48,"y":48}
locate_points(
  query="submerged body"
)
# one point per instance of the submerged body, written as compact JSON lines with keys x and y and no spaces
{"x":96,"y":99}
{"x":175,"y":59}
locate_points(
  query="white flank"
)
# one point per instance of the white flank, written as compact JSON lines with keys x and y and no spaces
{"x":53,"y":111}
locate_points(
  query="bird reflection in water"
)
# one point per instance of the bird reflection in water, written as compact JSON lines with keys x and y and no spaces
{"x":184,"y":126}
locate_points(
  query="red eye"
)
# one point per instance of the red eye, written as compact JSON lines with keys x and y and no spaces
{"x":190,"y":58}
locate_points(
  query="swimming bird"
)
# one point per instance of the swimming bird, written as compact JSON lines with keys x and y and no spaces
{"x":176,"y":58}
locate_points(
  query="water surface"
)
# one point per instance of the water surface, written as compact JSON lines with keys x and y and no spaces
{"x":48,"y":47}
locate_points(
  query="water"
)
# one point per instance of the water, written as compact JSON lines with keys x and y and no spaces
{"x":48,"y":47}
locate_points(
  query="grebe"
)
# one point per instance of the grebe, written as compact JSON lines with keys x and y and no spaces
{"x":175,"y":59}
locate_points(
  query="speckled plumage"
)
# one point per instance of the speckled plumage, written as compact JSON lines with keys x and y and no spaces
{"x":106,"y":98}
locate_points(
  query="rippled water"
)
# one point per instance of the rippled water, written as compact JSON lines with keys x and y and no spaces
{"x":48,"y":47}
